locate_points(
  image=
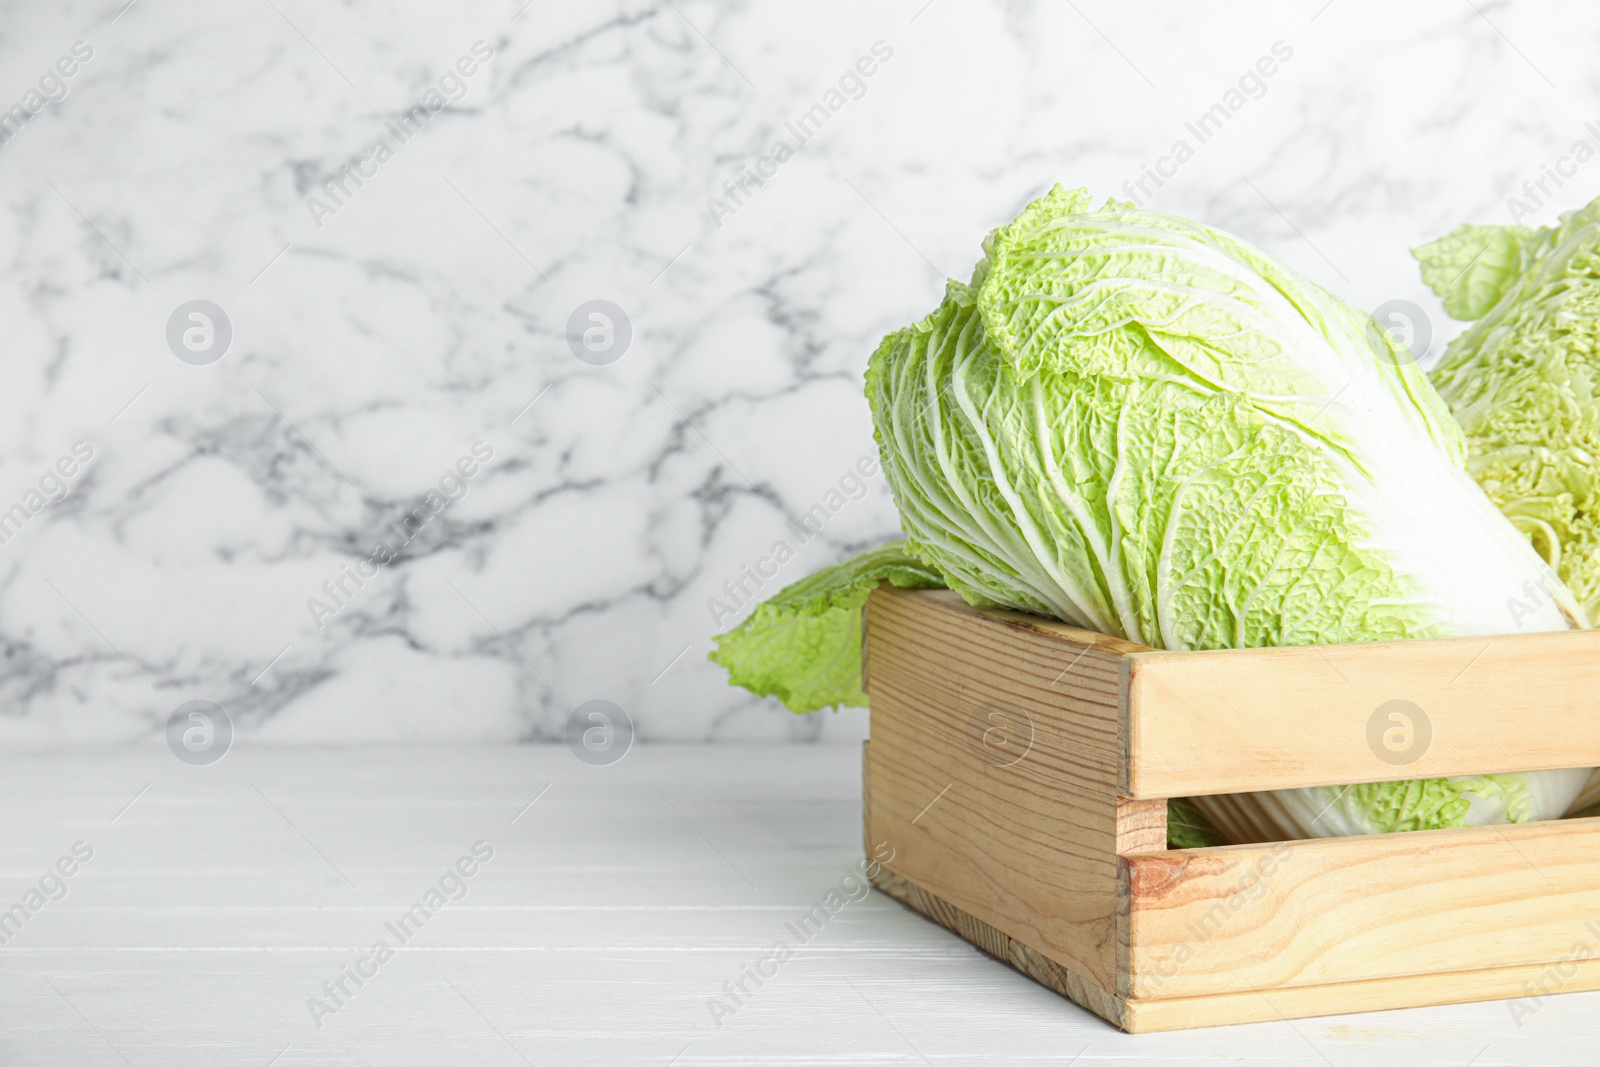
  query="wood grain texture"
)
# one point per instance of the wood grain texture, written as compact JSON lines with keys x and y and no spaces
{"x":1385,"y":994}
{"x":1301,"y":913}
{"x":1007,"y":950}
{"x":615,"y":906}
{"x":1000,"y":839}
{"x":1275,"y":718}
{"x":1141,"y":826}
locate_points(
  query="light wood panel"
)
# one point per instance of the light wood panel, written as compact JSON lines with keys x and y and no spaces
{"x":1427,"y":990}
{"x":1000,"y":842}
{"x":1275,"y":718}
{"x":1143,"y":1016}
{"x":1303,"y":913}
{"x":1007,"y":950}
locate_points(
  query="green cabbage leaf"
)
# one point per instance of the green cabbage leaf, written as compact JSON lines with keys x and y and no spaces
{"x":1524,"y":381}
{"x":803,"y":645}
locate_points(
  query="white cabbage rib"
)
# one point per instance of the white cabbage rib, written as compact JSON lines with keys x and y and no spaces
{"x":1331,"y":811}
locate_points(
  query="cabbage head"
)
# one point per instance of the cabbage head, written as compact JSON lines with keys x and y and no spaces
{"x":1524,"y":379}
{"x":1144,"y":426}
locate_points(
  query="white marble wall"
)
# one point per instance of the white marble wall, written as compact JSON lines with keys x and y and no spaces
{"x":378,"y":337}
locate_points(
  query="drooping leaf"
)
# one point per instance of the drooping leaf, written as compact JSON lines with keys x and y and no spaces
{"x":803,"y":645}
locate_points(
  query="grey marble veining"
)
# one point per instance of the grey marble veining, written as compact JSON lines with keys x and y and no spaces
{"x":399,"y":207}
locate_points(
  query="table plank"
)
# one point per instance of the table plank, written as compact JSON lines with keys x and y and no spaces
{"x":613,"y":910}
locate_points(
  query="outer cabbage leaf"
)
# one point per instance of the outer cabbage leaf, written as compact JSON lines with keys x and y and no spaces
{"x":1472,"y":267}
{"x":1188,"y":828}
{"x":803,"y":645}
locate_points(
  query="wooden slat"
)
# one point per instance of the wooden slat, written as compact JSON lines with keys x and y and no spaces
{"x":1027,"y":848}
{"x":1304,"y":913}
{"x":1419,"y":991}
{"x":1139,"y":1016}
{"x":1276,"y":718}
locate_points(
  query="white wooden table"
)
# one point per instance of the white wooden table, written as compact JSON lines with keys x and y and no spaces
{"x":217,"y":903}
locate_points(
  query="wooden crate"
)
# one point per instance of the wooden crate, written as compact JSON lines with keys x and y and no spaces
{"x":1049,"y":851}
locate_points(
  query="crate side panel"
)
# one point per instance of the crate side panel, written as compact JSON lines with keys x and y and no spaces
{"x":1021,"y":835}
{"x":1279,"y":718}
{"x":1040,"y":968}
{"x":1306,"y":913}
